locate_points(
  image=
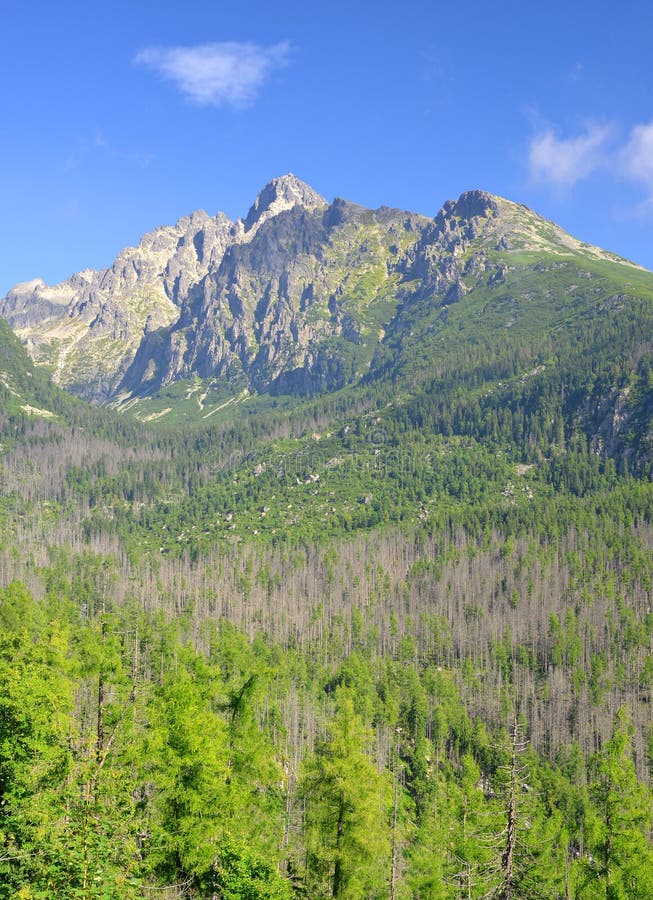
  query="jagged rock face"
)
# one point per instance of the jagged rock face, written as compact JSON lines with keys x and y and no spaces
{"x":459,"y":240}
{"x":89,"y":327}
{"x":296,"y":308}
{"x":301,"y":296}
{"x":280,"y":195}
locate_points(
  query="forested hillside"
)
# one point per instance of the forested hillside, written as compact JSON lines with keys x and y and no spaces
{"x":388,"y":638}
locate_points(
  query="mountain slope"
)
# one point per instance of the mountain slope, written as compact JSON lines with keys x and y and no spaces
{"x":487,"y":305}
{"x":25,"y":389}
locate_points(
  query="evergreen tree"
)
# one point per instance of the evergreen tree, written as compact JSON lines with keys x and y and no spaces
{"x":620,"y":865}
{"x":347,"y":809}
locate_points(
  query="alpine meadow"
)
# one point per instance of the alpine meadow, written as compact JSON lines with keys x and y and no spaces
{"x":326,"y":562}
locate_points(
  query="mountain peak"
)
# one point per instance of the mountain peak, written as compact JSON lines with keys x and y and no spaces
{"x":471,"y":204}
{"x":505,"y":225}
{"x":279,"y":195}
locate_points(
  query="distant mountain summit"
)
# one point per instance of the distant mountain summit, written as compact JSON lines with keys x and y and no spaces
{"x":280,"y":195}
{"x":302,"y":296}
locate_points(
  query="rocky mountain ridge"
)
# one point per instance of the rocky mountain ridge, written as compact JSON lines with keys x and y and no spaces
{"x":301,"y":296}
{"x":88,"y":328}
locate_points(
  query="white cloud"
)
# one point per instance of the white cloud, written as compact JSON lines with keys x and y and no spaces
{"x":637,"y":156}
{"x":216,"y":74}
{"x":564,"y":161}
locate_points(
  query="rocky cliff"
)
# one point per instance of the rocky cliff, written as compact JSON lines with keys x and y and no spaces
{"x":89,"y":328}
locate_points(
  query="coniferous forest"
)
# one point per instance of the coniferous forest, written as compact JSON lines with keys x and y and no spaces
{"x":390,"y":640}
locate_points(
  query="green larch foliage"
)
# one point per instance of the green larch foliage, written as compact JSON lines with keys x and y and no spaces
{"x":347,"y":812}
{"x":618,"y":864}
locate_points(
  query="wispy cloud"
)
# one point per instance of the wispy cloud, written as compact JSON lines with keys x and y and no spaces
{"x":618,"y":155}
{"x":562,"y":162}
{"x":217,"y":74}
{"x":636,"y":157}
{"x":576,"y":72}
{"x":98,"y":148}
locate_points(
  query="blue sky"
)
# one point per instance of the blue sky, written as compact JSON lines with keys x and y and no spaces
{"x":127,"y":115}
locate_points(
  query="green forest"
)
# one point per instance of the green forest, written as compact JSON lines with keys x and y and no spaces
{"x":141,"y":756}
{"x":392,"y":641}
